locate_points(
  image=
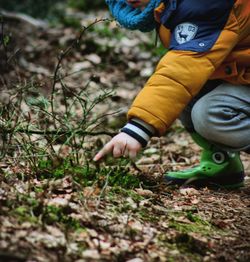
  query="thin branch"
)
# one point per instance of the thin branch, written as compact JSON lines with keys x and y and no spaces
{"x":64,"y":53}
{"x":55,"y":132}
{"x":103,"y":189}
{"x":2,"y":41}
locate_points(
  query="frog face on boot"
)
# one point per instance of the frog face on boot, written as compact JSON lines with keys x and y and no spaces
{"x":217,"y":168}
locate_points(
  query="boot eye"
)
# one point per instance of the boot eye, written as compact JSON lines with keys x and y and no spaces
{"x":218,"y":157}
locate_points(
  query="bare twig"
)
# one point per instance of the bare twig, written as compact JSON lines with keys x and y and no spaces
{"x":103,"y":189}
{"x":2,"y":41}
{"x":64,"y":53}
{"x":42,"y":125}
{"x":56,"y":132}
{"x":24,"y":18}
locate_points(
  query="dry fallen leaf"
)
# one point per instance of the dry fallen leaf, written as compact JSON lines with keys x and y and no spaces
{"x":189,"y":191}
{"x":144,"y":192}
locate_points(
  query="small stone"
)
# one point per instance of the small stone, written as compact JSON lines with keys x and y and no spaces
{"x":94,"y":59}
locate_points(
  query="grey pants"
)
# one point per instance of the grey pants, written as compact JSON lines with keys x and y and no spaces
{"x":221,"y":114}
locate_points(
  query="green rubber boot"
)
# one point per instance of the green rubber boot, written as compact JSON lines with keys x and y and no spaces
{"x":217,"y":168}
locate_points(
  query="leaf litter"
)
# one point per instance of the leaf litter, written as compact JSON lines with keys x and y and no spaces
{"x":60,"y":220}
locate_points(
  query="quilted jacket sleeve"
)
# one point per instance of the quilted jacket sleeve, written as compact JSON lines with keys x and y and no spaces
{"x":179,"y":76}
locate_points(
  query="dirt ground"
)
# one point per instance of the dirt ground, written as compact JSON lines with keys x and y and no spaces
{"x":58,"y":219}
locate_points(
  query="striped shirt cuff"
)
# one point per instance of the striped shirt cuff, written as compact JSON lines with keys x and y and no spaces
{"x":139,"y":130}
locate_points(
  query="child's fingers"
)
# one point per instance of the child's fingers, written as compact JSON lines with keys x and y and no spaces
{"x":117,"y":151}
{"x":104,"y":151}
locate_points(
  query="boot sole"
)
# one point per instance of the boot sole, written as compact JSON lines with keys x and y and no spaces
{"x":229,"y":181}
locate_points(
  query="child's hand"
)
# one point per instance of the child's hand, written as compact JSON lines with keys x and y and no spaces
{"x":120,"y":145}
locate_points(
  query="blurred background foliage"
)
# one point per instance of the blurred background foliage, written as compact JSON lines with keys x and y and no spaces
{"x":85,"y":5}
{"x":49,"y":9}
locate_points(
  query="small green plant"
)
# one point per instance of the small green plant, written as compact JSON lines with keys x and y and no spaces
{"x":117,"y":176}
{"x":26,"y":208}
{"x":50,"y":125}
{"x":40,"y":8}
{"x":196,"y":224}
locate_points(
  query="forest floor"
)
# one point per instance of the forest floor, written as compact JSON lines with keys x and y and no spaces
{"x":126,"y":213}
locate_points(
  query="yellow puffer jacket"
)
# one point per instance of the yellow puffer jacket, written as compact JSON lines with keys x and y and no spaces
{"x":222,"y":51}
